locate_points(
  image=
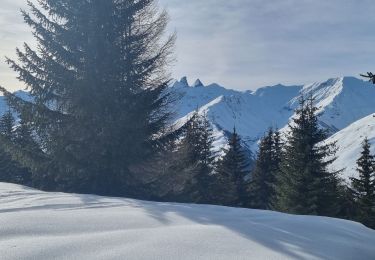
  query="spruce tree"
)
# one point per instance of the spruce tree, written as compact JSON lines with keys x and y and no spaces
{"x":206,"y":162}
{"x":7,"y":123}
{"x":262,"y":181}
{"x":97,"y":81}
{"x":230,"y":188}
{"x":306,"y":186}
{"x":364,"y":186}
{"x":196,"y":154}
{"x":10,"y":169}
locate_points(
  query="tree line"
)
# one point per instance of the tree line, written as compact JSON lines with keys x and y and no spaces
{"x":100,"y":122}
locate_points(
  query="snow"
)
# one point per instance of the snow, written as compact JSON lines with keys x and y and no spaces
{"x":349,"y":143}
{"x":251,"y":113}
{"x":341,"y":101}
{"x":40,"y":225}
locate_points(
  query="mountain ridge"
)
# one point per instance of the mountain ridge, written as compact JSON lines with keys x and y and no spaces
{"x":341,"y":102}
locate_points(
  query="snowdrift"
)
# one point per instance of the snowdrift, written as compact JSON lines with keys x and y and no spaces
{"x":41,"y":225}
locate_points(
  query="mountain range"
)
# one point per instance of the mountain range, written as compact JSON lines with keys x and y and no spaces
{"x":346,"y":106}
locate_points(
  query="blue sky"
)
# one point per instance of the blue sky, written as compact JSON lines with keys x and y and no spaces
{"x":245,"y":44}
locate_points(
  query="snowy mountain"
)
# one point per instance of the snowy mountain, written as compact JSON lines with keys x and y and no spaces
{"x":40,"y":225}
{"x":349,"y":144}
{"x":341,"y":101}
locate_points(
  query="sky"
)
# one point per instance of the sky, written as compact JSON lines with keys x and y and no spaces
{"x":246,"y":44}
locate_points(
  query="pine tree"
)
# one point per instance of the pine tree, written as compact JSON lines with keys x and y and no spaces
{"x":306,"y":186}
{"x":97,"y":82}
{"x":364,"y":186}
{"x":196,"y":154}
{"x":7,"y":124}
{"x":7,"y":169}
{"x":10,"y":169}
{"x":232,"y":169}
{"x":263,"y":177}
{"x":206,"y":162}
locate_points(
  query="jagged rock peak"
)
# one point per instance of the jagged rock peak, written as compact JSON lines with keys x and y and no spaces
{"x":184,"y":81}
{"x":198,"y":84}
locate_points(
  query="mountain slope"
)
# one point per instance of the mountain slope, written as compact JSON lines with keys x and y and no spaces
{"x":252,"y":113}
{"x":341,"y":101}
{"x":40,"y":225}
{"x":349,"y":143}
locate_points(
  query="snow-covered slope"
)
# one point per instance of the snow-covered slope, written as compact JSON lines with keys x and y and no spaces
{"x":349,"y":143}
{"x":252,"y":113}
{"x":341,"y":101}
{"x":39,"y":225}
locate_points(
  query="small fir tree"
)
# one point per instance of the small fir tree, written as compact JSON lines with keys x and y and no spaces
{"x":10,"y":169}
{"x":263,"y":177}
{"x":364,"y":186}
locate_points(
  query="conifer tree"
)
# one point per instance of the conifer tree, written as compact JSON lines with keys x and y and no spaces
{"x":364,"y":186}
{"x":7,"y":166}
{"x":262,"y":181}
{"x":206,"y":161}
{"x":306,"y":186}
{"x":10,"y":169}
{"x":97,"y":81}
{"x":197,"y":155}
{"x":7,"y":124}
{"x":231,"y":172}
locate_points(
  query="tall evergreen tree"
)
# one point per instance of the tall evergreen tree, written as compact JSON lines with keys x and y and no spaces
{"x":196,"y":154}
{"x":97,"y":80}
{"x":306,"y":186}
{"x":364,"y":186}
{"x":263,"y":177}
{"x":206,"y":161}
{"x":232,"y":169}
